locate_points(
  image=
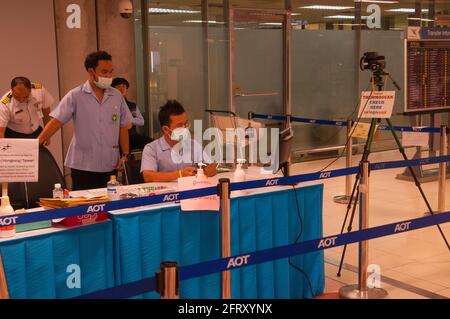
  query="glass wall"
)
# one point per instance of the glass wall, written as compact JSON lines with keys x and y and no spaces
{"x":187,"y":54}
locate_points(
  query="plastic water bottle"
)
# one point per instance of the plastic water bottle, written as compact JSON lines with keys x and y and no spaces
{"x":58,"y":192}
{"x":113,"y":188}
{"x":6,"y":210}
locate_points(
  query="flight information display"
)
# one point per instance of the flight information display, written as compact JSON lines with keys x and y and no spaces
{"x":427,"y":76}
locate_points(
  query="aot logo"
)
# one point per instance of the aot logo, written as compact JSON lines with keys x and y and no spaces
{"x":96,"y":208}
{"x":7,"y":221}
{"x":327,"y":242}
{"x":402,"y":227}
{"x":238,"y":261}
{"x":171,"y":197}
{"x":325,"y":175}
{"x":272,"y":182}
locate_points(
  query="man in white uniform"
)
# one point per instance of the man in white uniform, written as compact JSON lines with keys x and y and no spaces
{"x":23,"y":108}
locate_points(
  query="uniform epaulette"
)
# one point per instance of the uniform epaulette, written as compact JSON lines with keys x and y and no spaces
{"x":36,"y":86}
{"x":7,"y":98}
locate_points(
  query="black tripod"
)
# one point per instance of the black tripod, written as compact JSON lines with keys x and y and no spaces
{"x":378,"y":75}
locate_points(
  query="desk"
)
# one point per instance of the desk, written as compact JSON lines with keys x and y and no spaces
{"x":263,"y":220}
{"x":36,"y":262}
{"x":132,"y":245}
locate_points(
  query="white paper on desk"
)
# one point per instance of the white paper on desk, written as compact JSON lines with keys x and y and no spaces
{"x":415,"y":139}
{"x":207,"y":203}
{"x":19,"y":160}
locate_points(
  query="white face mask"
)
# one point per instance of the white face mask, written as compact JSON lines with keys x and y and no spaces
{"x":180,"y":134}
{"x":103,"y":83}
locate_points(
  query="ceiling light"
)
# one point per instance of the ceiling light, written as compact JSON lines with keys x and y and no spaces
{"x":319,"y":7}
{"x":166,"y":10}
{"x":344,"y":17}
{"x":405,"y":10}
{"x":377,"y":1}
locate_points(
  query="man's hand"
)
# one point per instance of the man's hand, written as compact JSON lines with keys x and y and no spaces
{"x":47,"y":142}
{"x":188,"y":171}
{"x":119,"y":166}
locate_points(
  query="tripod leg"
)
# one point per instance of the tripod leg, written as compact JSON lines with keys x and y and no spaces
{"x":349,"y":229}
{"x":416,"y":180}
{"x":364,"y":158}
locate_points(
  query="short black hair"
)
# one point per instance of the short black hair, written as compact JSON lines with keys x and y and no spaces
{"x":172,"y":107}
{"x":20,"y":80}
{"x":93,"y":58}
{"x":119,"y":81}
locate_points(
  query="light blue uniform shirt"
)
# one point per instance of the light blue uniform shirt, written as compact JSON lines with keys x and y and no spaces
{"x":157,"y":156}
{"x":95,"y":142}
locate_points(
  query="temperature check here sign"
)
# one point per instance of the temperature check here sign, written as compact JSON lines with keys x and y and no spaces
{"x":379,"y":104}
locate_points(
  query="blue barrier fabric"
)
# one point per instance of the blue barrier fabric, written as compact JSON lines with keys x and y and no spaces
{"x":262,"y":256}
{"x":144,"y":239}
{"x":260,"y":222}
{"x":37,"y":267}
{"x":344,"y":123}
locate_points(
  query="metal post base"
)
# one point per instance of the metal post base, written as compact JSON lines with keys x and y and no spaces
{"x":353,"y":292}
{"x":342,"y":199}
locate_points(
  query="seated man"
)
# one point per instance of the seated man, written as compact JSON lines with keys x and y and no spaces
{"x":166,"y":159}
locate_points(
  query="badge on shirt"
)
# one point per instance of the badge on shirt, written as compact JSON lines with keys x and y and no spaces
{"x":115,"y":117}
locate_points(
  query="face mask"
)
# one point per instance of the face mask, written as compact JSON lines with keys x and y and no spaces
{"x":180,"y":134}
{"x":103,"y":83}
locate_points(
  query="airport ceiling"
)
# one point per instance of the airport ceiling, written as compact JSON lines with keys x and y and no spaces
{"x":311,"y":15}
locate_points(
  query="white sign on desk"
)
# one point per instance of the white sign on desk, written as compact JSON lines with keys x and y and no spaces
{"x":19,"y":160}
{"x":207,"y":203}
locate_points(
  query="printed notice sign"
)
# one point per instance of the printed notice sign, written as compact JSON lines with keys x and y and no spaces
{"x":377,"y":104}
{"x":207,"y":203}
{"x":19,"y":160}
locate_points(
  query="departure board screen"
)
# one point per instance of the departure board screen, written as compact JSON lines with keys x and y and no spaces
{"x":428,"y":76}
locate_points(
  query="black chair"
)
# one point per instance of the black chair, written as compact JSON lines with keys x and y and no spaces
{"x":26,"y":195}
{"x":133,"y":172}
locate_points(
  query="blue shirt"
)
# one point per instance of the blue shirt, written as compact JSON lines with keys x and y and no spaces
{"x":95,"y":142}
{"x":158,"y":156}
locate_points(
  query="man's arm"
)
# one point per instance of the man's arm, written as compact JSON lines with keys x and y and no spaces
{"x":211,"y":170}
{"x":47,"y":118}
{"x":152,"y":176}
{"x":138,"y":120}
{"x":49,"y":130}
{"x":124,"y":140}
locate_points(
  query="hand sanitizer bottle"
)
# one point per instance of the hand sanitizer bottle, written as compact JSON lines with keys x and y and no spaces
{"x":239,"y":175}
{"x":6,"y":210}
{"x":201,"y":177}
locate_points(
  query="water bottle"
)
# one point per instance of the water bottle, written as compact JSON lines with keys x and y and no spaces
{"x":113,"y":188}
{"x":58,"y":192}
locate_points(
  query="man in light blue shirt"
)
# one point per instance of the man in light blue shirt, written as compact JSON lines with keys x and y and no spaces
{"x":101,"y":121}
{"x":167,"y":159}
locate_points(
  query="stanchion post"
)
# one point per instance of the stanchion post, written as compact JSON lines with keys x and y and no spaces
{"x":442,"y":170}
{"x":4,"y":294}
{"x":344,"y":199}
{"x":224,"y":191}
{"x":168,"y":281}
{"x":361,"y":290}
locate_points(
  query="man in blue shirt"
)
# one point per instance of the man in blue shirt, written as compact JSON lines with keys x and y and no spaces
{"x":137,"y":141}
{"x":101,"y":121}
{"x":162,"y":160}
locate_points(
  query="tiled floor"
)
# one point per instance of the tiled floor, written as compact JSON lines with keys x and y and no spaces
{"x":414,"y":264}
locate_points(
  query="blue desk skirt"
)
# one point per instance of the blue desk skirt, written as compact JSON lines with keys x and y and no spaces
{"x":144,"y":239}
{"x":37,"y":267}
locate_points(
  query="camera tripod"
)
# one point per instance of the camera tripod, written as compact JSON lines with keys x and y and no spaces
{"x":378,"y":76}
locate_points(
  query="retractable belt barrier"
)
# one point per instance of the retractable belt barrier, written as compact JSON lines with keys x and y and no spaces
{"x":177,"y":196}
{"x":253,"y":258}
{"x":343,"y":123}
